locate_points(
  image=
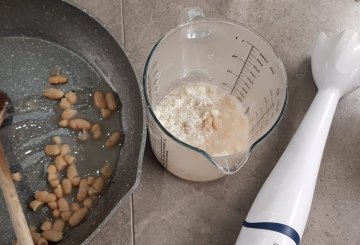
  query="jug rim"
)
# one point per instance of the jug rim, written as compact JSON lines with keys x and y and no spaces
{"x":204,"y":153}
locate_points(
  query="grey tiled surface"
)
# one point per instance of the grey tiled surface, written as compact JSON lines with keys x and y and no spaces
{"x":171,"y":211}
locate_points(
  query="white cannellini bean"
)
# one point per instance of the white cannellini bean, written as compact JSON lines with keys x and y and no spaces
{"x":84,"y":136}
{"x":53,"y":93}
{"x":64,"y":123}
{"x":45,"y":196}
{"x":106,"y":171}
{"x":74,"y":206}
{"x":65,"y":216}
{"x":80,"y":124}
{"x":99,"y":184}
{"x":92,"y":191}
{"x":58,"y":192}
{"x":58,"y":225}
{"x":113,"y":139}
{"x":71,"y":172}
{"x":16,"y":177}
{"x":52,"y":177}
{"x":63,"y":205}
{"x":90,"y":180}
{"x":66,"y":186}
{"x":99,"y":100}
{"x":70,"y":159}
{"x":96,"y":131}
{"x":110,"y":101}
{"x":54,"y":183}
{"x":78,"y":216}
{"x":60,"y":163}
{"x":83,"y":190}
{"x":42,"y":241}
{"x":56,"y":213}
{"x":65,"y":149}
{"x":75,"y":181}
{"x":71,"y":97}
{"x":46,"y":225}
{"x":69,"y":114}
{"x":105,"y":113}
{"x":53,"y":205}
{"x":88,"y":203}
{"x":52,"y":235}
{"x":51,"y":169}
{"x":57,"y":79}
{"x":35,"y":204}
{"x":56,"y":140}
{"x":52,"y":150}
{"x":65,"y":104}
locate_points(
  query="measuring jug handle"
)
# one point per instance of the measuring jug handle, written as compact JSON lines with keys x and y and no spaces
{"x":191,"y":13}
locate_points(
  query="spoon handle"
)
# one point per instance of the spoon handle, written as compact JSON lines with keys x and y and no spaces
{"x":13,"y":204}
{"x":281,"y":209}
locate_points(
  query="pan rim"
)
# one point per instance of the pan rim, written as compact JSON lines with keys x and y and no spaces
{"x":116,"y":208}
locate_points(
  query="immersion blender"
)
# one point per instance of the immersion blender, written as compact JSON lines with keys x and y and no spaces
{"x":280,"y":211}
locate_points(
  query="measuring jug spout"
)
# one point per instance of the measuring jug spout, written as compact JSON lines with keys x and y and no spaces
{"x":232,"y":163}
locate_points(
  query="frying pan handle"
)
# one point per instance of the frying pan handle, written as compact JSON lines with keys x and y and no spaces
{"x":191,"y":13}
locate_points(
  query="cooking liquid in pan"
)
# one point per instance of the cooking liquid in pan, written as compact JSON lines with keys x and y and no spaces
{"x":24,"y":69}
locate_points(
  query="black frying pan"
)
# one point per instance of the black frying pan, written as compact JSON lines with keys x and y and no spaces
{"x":48,"y":32}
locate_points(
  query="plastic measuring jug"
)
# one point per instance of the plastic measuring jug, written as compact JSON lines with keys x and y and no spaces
{"x":224,"y":53}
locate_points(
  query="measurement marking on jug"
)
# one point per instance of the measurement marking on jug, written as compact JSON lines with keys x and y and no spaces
{"x":261,"y":118}
{"x":155,"y":63}
{"x":247,"y":62}
{"x":237,"y":57}
{"x":252,"y":74}
{"x":252,"y":46}
{"x":237,"y":80}
{"x":247,"y":69}
{"x":262,"y":56}
{"x":249,"y":80}
{"x":239,"y":92}
{"x":164,"y":153}
{"x":272,"y":70}
{"x":253,"y":56}
{"x":231,"y":72}
{"x":239,"y":98}
{"x":259,"y":62}
{"x":154,"y":74}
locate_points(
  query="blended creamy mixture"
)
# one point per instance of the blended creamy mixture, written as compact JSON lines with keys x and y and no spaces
{"x":205,"y":116}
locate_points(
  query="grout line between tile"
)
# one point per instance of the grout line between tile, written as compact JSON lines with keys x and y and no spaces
{"x":132,"y":219}
{"x":122,"y":23}
{"x":132,"y":224}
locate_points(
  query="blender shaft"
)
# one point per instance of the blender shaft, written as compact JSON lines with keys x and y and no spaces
{"x":283,"y":203}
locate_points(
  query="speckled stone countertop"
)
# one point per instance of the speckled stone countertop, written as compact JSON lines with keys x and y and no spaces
{"x":166,"y":210}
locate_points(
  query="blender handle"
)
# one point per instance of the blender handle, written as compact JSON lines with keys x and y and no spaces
{"x":281,"y":208}
{"x":190,"y":14}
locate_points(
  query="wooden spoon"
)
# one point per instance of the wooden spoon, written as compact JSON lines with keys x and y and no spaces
{"x":8,"y":188}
